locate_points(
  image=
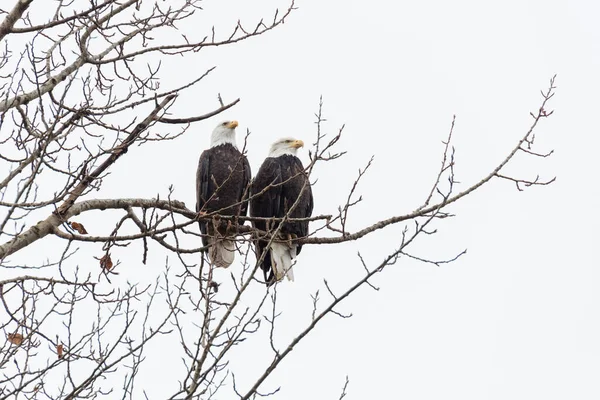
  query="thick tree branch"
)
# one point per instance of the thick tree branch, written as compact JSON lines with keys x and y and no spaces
{"x":200,"y":117}
{"x":13,"y":16}
{"x":52,"y":24}
{"x":43,"y":279}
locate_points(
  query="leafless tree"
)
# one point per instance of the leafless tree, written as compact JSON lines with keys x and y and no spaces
{"x":78,"y":89}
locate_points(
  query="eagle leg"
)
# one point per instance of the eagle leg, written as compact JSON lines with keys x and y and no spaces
{"x":290,"y":237}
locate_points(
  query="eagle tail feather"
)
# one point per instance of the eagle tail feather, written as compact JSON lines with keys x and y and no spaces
{"x":222,"y":252}
{"x":282,"y":255}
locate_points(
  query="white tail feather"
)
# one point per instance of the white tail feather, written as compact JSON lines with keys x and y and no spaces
{"x":222,"y":252}
{"x":282,"y":255}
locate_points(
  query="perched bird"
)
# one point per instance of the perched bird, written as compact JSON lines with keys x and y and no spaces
{"x":222,"y":187}
{"x":281,"y":188}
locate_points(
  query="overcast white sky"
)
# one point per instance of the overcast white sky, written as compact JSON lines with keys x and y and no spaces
{"x":517,"y":317}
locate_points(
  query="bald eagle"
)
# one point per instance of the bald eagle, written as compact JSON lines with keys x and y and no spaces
{"x":222,"y":181}
{"x":284,"y":182}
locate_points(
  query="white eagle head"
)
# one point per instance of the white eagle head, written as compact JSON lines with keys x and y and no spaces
{"x":285,"y":146}
{"x":224,"y":133}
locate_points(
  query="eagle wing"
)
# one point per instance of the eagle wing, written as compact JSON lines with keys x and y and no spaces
{"x":307,"y":205}
{"x":202,"y":195}
{"x":268,"y":204}
{"x":247,"y":176}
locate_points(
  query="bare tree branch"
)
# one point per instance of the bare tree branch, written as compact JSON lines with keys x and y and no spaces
{"x":13,"y":16}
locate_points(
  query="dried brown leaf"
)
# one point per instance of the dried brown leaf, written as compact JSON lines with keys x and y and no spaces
{"x":79,"y":228}
{"x":60,"y":350}
{"x":106,"y":263}
{"x":15,"y":338}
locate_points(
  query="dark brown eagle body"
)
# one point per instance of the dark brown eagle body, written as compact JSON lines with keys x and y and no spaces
{"x":222,"y":187}
{"x":287,"y":184}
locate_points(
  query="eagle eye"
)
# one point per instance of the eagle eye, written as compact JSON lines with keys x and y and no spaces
{"x":224,"y":123}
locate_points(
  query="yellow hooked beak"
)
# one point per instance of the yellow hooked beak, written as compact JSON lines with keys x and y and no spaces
{"x":232,"y":124}
{"x":296,"y":144}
